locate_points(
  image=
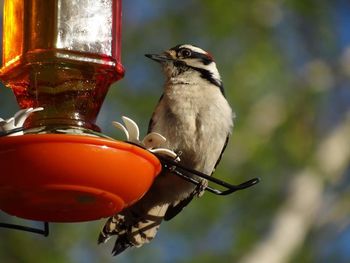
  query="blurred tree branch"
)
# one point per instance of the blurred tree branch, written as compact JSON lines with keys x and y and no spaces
{"x":298,"y":213}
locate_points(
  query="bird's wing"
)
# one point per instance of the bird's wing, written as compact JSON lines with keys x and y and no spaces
{"x":173,"y":210}
{"x":222,"y":152}
{"x":153,"y":120}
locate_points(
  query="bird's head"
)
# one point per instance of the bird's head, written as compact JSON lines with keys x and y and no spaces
{"x":184,"y":60}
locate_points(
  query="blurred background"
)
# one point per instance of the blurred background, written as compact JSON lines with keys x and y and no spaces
{"x":285,"y":65}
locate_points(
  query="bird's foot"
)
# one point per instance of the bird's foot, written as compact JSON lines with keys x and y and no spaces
{"x":200,"y":188}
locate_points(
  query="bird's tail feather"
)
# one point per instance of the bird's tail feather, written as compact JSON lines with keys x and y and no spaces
{"x":110,"y":228}
{"x":133,"y":229}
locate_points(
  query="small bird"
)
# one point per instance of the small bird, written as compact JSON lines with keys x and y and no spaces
{"x":196,"y":119}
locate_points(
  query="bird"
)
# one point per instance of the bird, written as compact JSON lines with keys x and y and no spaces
{"x":197,"y":121}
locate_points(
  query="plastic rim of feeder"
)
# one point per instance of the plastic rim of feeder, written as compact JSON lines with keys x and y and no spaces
{"x":71,"y":178}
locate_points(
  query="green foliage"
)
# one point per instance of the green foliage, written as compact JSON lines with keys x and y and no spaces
{"x":270,"y":55}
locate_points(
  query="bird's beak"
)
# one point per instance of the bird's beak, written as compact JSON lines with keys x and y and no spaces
{"x":161,"y":58}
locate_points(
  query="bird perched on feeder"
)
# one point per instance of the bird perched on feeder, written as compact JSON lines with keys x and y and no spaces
{"x":196,"y":119}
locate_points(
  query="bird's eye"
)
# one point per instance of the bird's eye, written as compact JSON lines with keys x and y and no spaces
{"x":185,"y":53}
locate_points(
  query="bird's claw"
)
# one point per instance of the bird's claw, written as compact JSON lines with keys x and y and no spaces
{"x":200,"y":188}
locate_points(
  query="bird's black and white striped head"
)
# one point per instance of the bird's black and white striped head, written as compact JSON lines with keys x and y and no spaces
{"x":183,"y":59}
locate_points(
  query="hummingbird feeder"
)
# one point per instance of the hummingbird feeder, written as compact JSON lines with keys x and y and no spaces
{"x":62,"y":56}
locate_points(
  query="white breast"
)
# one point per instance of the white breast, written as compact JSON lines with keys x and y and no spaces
{"x":195,"y":119}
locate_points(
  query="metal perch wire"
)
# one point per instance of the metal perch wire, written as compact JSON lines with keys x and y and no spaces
{"x":187,"y":174}
{"x":44,"y":232}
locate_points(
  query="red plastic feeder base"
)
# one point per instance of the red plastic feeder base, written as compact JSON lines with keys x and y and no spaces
{"x":71,"y":178}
